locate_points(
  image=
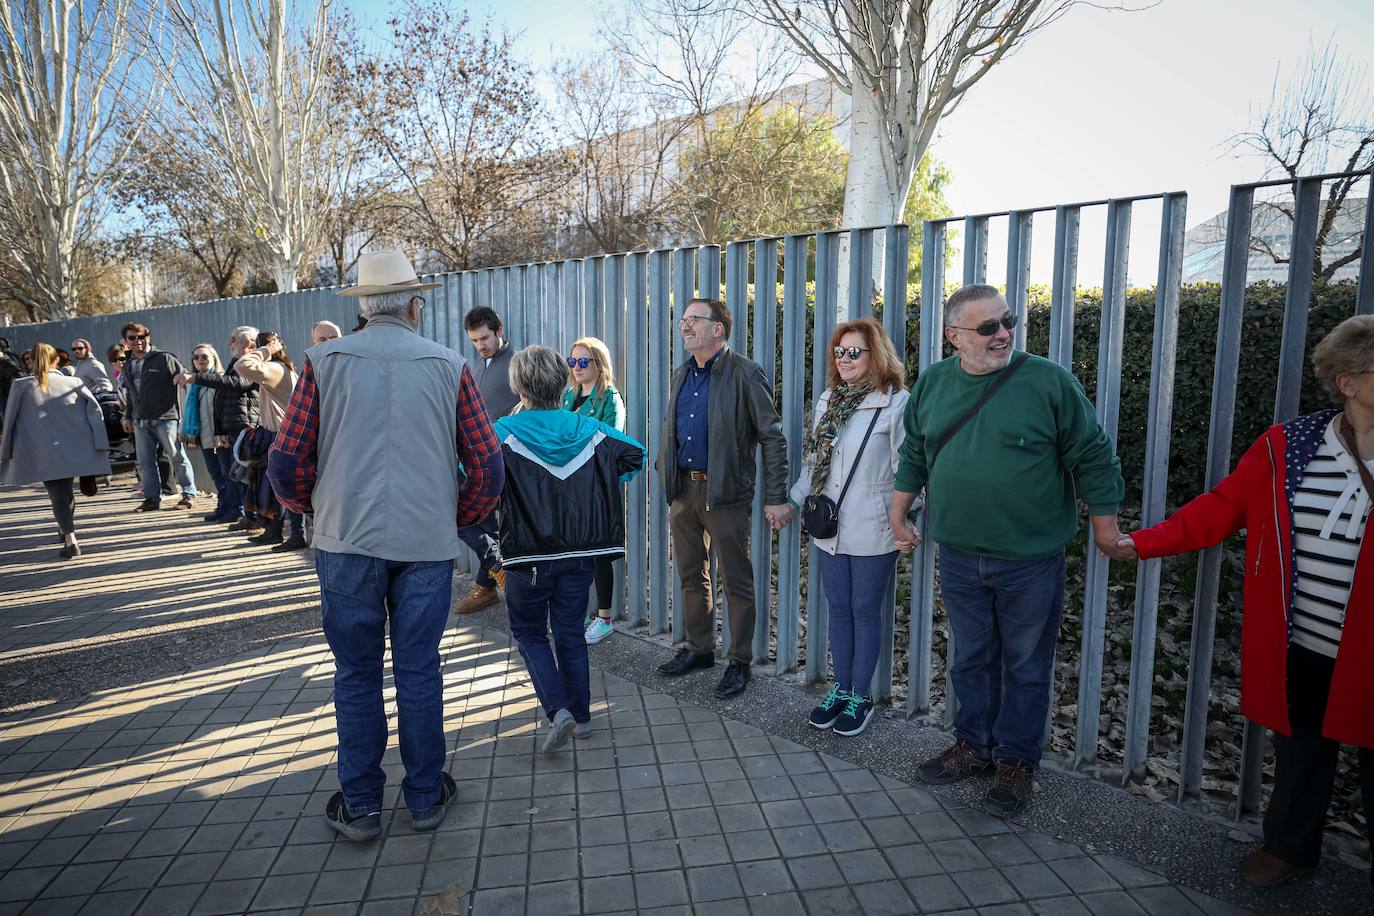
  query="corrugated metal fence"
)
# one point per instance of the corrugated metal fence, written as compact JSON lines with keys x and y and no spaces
{"x":632,"y":300}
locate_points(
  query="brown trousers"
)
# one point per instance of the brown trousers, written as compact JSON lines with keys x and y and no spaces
{"x":696,"y":532}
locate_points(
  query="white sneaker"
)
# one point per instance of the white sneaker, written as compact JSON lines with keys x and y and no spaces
{"x":598,"y":630}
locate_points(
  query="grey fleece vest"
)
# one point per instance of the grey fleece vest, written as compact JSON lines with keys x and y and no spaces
{"x":387,"y":484}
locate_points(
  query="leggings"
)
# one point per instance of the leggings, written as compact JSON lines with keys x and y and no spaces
{"x":605,"y":582}
{"x":63,"y":503}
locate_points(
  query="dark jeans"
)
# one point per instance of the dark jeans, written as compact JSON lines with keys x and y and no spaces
{"x":1305,"y":766}
{"x":605,"y":583}
{"x":553,"y":596}
{"x":231,"y":494}
{"x":63,"y":500}
{"x":1004,"y":618}
{"x":481,"y":537}
{"x":696,"y":533}
{"x":856,"y":588}
{"x":359,"y":596}
{"x":216,"y":469}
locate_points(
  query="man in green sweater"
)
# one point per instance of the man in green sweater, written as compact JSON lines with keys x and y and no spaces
{"x":1002,"y":502}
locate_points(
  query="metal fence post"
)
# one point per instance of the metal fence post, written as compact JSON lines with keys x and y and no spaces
{"x":827,"y":292}
{"x":1018,"y":270}
{"x":765,"y":354}
{"x":1064,"y":294}
{"x":660,"y":372}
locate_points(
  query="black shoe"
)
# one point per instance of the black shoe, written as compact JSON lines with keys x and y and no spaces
{"x":149,"y":505}
{"x":295,"y":542}
{"x":824,"y":715}
{"x":956,"y":762}
{"x":69,"y":551}
{"x":270,"y":535}
{"x":686,"y":660}
{"x":434,"y":814}
{"x":1011,"y":790}
{"x":858,"y":712}
{"x":360,"y":827}
{"x":735,"y":679}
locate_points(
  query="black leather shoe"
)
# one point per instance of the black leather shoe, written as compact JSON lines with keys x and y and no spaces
{"x":686,"y":660}
{"x":735,"y":679}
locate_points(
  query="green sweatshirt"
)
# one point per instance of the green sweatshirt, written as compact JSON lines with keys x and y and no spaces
{"x":1004,"y":485}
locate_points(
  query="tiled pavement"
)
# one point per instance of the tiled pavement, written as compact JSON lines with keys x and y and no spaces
{"x":202,"y":791}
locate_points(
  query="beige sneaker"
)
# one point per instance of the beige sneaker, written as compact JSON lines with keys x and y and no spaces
{"x":480,"y":597}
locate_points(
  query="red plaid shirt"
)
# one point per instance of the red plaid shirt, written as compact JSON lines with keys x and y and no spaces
{"x":292,"y":469}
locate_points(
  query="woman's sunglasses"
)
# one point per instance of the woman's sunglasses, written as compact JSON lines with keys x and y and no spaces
{"x":989,"y":327}
{"x":200,"y":356}
{"x":579,"y":363}
{"x":120,"y":359}
{"x":851,"y":352}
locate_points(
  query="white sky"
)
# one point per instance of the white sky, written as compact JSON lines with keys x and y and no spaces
{"x":1100,"y":104}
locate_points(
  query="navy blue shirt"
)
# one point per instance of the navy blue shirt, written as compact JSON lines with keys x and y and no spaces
{"x":692,"y":401}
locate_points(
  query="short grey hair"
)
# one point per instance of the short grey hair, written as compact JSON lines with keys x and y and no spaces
{"x":246,"y":330}
{"x":538,"y":375}
{"x":338,"y":332}
{"x":974,"y":292}
{"x":385,"y":304}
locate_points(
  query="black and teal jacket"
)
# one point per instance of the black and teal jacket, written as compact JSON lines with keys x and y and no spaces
{"x":562,"y":497}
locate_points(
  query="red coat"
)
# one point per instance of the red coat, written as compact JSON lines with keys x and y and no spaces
{"x":1257,"y":496}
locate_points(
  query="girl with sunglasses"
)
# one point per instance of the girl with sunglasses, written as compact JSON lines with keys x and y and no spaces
{"x":592,"y":393}
{"x":850,"y":457}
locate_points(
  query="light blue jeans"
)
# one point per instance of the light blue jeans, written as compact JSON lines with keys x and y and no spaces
{"x":148,"y":438}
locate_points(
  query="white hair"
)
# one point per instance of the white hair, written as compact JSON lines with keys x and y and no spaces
{"x":385,"y":304}
{"x":338,"y":332}
{"x":246,"y":330}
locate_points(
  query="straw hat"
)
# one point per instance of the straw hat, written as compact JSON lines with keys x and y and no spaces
{"x":386,"y":272}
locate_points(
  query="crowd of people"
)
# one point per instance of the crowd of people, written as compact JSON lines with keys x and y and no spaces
{"x":522,"y":454}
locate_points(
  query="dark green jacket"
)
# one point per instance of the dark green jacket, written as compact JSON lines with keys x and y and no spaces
{"x":605,"y":404}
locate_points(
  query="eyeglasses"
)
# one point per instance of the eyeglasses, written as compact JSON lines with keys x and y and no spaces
{"x":851,"y":352}
{"x":989,"y":327}
{"x":581,"y":362}
{"x":78,"y":348}
{"x":120,"y":359}
{"x":133,"y":337}
{"x":200,"y":356}
{"x":691,"y":320}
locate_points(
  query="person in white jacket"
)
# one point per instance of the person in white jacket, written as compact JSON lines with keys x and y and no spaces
{"x":850,"y":457}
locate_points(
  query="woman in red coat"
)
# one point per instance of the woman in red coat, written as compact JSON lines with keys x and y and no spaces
{"x":1302,"y":493}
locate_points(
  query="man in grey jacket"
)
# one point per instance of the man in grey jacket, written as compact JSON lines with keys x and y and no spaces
{"x":720,"y":408}
{"x":90,"y":370}
{"x":491,"y":370}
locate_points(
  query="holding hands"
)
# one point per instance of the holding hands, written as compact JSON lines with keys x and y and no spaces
{"x":1107,"y":534}
{"x":184,"y":378}
{"x":778,"y":516}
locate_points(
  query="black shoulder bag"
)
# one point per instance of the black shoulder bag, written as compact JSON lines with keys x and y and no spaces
{"x":820,"y":514}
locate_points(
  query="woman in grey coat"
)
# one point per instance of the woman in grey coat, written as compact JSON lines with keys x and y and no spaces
{"x":54,"y":431}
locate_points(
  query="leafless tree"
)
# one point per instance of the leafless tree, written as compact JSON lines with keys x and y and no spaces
{"x":264,"y":72}
{"x":906,"y":64}
{"x":1320,"y":117}
{"x":70,"y":79}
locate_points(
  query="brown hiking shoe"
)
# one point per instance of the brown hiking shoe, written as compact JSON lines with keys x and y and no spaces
{"x":481,"y":596}
{"x":1011,"y":788}
{"x":958,"y":761}
{"x":499,"y":577}
{"x":1264,"y":869}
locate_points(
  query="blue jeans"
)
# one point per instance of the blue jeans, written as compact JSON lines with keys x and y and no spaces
{"x":231,"y":494}
{"x":1004,"y":616}
{"x":166,"y":434}
{"x":358,"y":596}
{"x":212,"y":464}
{"x":481,"y":537}
{"x":553,"y":595}
{"x":856,"y":588}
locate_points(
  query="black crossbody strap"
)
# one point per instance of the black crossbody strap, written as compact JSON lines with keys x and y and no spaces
{"x":850,"y":479}
{"x":1016,"y":362}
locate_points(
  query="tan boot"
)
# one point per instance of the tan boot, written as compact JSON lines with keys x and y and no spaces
{"x":481,"y":596}
{"x":1264,"y":869}
{"x":499,"y":577}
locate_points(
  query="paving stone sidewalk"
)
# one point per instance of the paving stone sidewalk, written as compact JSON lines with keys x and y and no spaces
{"x":201,"y":791}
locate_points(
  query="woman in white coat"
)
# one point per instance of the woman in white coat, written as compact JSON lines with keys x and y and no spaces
{"x":54,"y":431}
{"x":858,"y":418}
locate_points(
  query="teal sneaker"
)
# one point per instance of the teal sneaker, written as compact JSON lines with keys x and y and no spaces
{"x":824,"y":715}
{"x":854,"y":718}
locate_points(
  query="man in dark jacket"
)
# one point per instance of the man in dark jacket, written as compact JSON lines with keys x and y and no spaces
{"x":721,"y":407}
{"x":491,"y":370}
{"x":152,"y":413}
{"x":10,"y":369}
{"x":236,"y":409}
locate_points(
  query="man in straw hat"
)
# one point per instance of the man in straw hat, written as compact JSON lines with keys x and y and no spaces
{"x":372,"y":442}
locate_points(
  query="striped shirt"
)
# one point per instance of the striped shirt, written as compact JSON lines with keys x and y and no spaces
{"x":1330,"y":509}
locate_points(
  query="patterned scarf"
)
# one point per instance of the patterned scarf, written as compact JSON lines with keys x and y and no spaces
{"x":820,"y":441}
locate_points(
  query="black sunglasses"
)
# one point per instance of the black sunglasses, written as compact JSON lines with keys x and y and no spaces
{"x":200,"y":356}
{"x":120,"y":359}
{"x":989,"y":327}
{"x":851,"y":352}
{"x":135,"y":336}
{"x":578,"y":362}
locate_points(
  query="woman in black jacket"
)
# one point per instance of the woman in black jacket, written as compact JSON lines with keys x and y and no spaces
{"x":236,"y":409}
